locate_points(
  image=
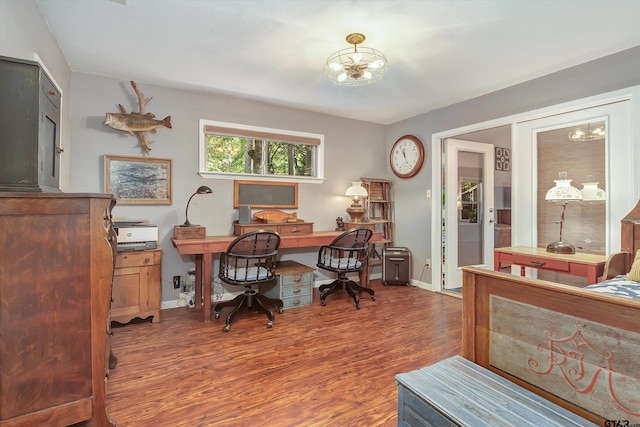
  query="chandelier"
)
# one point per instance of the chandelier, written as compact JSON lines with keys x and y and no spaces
{"x":356,"y":67}
{"x":579,"y":134}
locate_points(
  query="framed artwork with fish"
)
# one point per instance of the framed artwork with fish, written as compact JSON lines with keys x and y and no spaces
{"x":138,"y":180}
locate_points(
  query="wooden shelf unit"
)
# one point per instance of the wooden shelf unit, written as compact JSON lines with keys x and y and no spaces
{"x":379,"y":212}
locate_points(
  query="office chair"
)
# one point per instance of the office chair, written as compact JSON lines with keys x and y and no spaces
{"x":346,"y":254}
{"x":249,"y":260}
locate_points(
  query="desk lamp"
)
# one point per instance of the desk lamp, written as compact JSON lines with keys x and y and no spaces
{"x":562,"y":194}
{"x":203,"y":189}
{"x":356,"y":191}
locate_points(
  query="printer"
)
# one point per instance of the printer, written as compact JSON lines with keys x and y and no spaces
{"x":136,"y":235}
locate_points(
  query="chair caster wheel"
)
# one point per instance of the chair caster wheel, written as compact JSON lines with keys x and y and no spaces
{"x":323,"y":303}
{"x":280,"y":310}
{"x":226,"y":328}
{"x":358,"y":306}
{"x":216,"y":315}
{"x":373,"y":297}
{"x":270,"y":325}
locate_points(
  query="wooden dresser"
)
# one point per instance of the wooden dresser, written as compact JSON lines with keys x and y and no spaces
{"x":56,"y":266}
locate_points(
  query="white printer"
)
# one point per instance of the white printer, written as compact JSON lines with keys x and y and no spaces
{"x":136,"y":235}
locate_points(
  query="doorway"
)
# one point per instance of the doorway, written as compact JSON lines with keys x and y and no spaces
{"x":468,"y":209}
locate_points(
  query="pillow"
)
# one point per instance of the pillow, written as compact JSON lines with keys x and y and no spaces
{"x":634,"y":273}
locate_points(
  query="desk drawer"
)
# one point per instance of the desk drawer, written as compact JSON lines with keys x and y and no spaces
{"x":543,"y":263}
{"x":295,"y":228}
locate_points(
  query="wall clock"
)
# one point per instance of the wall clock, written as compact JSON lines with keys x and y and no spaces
{"x":407,"y":156}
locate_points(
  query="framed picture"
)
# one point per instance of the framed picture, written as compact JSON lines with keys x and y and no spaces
{"x":138,"y":180}
{"x":503,"y":159}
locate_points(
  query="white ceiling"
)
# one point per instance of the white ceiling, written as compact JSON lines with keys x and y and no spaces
{"x":440,"y":51}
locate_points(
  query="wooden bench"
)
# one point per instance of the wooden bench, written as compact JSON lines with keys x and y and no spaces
{"x":457,"y":392}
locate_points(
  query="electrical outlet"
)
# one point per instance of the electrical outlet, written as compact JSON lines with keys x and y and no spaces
{"x":427,"y":262}
{"x":176,"y":282}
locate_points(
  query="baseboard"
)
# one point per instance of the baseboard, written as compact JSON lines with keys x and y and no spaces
{"x":186,"y":298}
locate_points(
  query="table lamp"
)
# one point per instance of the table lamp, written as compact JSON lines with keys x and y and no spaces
{"x":188,"y":230}
{"x":356,"y":191}
{"x":592,"y":194}
{"x":562,"y":194}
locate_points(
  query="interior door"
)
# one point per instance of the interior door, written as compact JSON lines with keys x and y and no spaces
{"x":468,"y":209}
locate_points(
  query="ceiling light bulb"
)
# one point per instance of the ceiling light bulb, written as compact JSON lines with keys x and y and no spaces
{"x":356,"y":58}
{"x":379,"y":63}
{"x":335,"y":66}
{"x":367,"y":74}
{"x":342,"y":77}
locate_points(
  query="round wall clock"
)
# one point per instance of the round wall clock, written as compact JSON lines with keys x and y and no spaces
{"x":407,"y":156}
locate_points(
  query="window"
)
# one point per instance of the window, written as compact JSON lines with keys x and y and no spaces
{"x":232,"y":150}
{"x":469,"y":201}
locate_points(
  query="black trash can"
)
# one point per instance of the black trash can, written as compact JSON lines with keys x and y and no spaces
{"x":396,"y":266}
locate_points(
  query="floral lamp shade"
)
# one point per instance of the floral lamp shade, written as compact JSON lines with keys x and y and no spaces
{"x":593,"y":194}
{"x":563,"y":191}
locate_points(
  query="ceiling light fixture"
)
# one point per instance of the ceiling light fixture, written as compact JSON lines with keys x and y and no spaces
{"x":579,"y":134}
{"x":358,"y":66}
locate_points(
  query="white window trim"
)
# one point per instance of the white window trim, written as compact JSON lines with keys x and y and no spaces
{"x":202,"y":158}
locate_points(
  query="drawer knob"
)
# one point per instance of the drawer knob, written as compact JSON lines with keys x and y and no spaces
{"x":297,"y":278}
{"x":297,"y":291}
{"x":538,"y":263}
{"x":147,"y":260}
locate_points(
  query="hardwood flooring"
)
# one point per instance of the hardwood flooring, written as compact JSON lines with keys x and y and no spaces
{"x":317,"y":366}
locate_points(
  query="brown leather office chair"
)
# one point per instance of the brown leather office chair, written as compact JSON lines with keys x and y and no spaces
{"x":249,"y":260}
{"x":346,"y":254}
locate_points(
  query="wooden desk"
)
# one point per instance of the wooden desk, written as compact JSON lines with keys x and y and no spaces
{"x":203,"y":249}
{"x":590,"y":266}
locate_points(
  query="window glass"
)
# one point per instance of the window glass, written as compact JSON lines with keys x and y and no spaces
{"x":232,"y":150}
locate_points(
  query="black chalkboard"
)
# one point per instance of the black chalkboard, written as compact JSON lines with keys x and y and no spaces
{"x":265,"y":194}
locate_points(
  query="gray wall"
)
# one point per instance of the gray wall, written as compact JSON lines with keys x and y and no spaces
{"x":413,"y":225}
{"x":352,"y":149}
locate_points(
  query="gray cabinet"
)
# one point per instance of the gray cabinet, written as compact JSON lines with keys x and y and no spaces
{"x":294,"y":286}
{"x":29,"y":128}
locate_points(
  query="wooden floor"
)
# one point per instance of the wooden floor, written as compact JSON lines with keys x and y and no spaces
{"x":317,"y":366}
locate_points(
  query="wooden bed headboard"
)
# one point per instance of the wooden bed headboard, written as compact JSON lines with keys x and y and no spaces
{"x":574,"y":347}
{"x":620,"y":263}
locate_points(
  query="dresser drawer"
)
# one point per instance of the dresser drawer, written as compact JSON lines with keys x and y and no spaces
{"x":297,"y":301}
{"x":294,"y":278}
{"x":295,"y":289}
{"x":137,"y":258}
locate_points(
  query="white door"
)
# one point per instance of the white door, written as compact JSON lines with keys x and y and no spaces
{"x":468,"y":209}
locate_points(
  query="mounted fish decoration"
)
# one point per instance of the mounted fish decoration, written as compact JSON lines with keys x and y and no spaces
{"x":137,"y":123}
